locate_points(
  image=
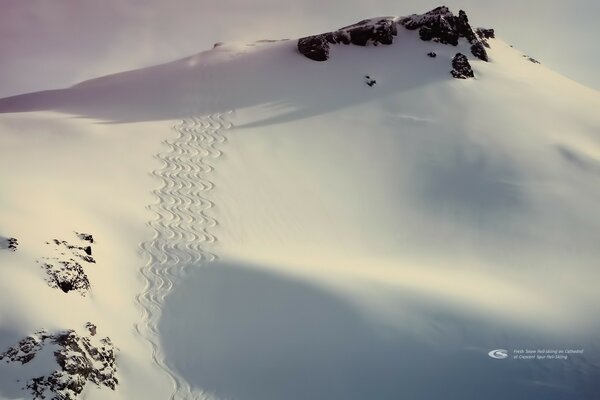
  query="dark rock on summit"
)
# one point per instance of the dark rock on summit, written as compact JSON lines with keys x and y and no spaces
{"x":314,"y":47}
{"x":438,"y":25}
{"x":85,"y":236}
{"x":432,"y":54}
{"x":461,"y":68}
{"x":362,"y":33}
{"x":367,"y":31}
{"x":486,"y":33}
{"x":441,"y":26}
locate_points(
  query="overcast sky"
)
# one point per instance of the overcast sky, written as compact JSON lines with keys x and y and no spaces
{"x":48,"y":44}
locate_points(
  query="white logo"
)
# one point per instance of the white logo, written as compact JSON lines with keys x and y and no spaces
{"x":498,"y":354}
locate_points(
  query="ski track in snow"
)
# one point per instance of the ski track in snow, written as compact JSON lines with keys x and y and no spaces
{"x":181,"y":225}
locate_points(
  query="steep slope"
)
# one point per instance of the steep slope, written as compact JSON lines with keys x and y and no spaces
{"x":366,"y":226}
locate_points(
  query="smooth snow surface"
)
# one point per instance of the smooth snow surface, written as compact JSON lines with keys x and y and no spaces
{"x":301,"y":235}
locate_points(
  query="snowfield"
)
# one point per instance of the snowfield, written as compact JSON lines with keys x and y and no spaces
{"x":266,"y":226}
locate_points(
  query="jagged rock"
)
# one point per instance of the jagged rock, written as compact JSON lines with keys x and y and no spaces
{"x":26,"y":350}
{"x":91,"y":328}
{"x":77,"y":251}
{"x":432,"y":54}
{"x":375,"y":32}
{"x":85,"y":236}
{"x":461,"y":68}
{"x":367,"y":31}
{"x":67,"y":276}
{"x":440,"y":25}
{"x":80,"y":359}
{"x":486,"y":33}
{"x":478,"y":50}
{"x":463,"y":28}
{"x":314,"y":47}
{"x":9,"y":243}
{"x":533,"y":60}
{"x":63,"y":271}
{"x":370,"y":81}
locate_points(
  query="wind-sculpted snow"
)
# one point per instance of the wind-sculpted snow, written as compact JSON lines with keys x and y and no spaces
{"x":182,"y":224}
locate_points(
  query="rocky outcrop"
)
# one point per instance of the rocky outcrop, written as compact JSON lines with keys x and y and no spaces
{"x":67,"y":276}
{"x":478,"y":50}
{"x":531,"y":59}
{"x":314,"y":47}
{"x":442,"y":26}
{"x":363,"y":33}
{"x":64,"y":270}
{"x":80,"y":358}
{"x":485,"y":33}
{"x":85,"y":236}
{"x":438,"y":25}
{"x":461,"y":68}
{"x":9,"y":243}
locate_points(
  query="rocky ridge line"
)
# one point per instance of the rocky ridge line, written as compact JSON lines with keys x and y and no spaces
{"x":438,"y":25}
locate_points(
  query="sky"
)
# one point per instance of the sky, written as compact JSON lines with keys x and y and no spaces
{"x":49,"y":44}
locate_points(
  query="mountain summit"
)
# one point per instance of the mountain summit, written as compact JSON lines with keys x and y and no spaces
{"x":334,"y":217}
{"x":438,"y":25}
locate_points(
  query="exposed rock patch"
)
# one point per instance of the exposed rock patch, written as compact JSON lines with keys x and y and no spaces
{"x":432,"y":54}
{"x":440,"y":25}
{"x":363,"y":33}
{"x":370,"y":81}
{"x":9,"y":243}
{"x":27,"y":348}
{"x":533,"y":60}
{"x":461,"y":68}
{"x":79,"y":358}
{"x":314,"y":47}
{"x":67,"y":276}
{"x":64,"y":270}
{"x":486,"y":33}
{"x":85,"y":236}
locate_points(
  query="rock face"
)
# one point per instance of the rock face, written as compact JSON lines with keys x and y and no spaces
{"x":438,"y":25}
{"x":85,"y":236}
{"x":80,"y":359}
{"x":461,"y":68}
{"x":314,"y":47}
{"x":362,"y":33}
{"x":486,"y":33}
{"x":64,"y":270}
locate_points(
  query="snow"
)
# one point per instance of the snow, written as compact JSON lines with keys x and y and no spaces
{"x":369,"y":240}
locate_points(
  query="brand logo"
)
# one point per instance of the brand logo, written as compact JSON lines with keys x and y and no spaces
{"x":498,"y":354}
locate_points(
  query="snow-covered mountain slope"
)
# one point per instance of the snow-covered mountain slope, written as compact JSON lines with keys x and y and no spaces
{"x":366,"y":226}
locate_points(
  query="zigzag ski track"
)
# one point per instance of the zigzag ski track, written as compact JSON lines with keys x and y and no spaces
{"x":181,"y":226}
